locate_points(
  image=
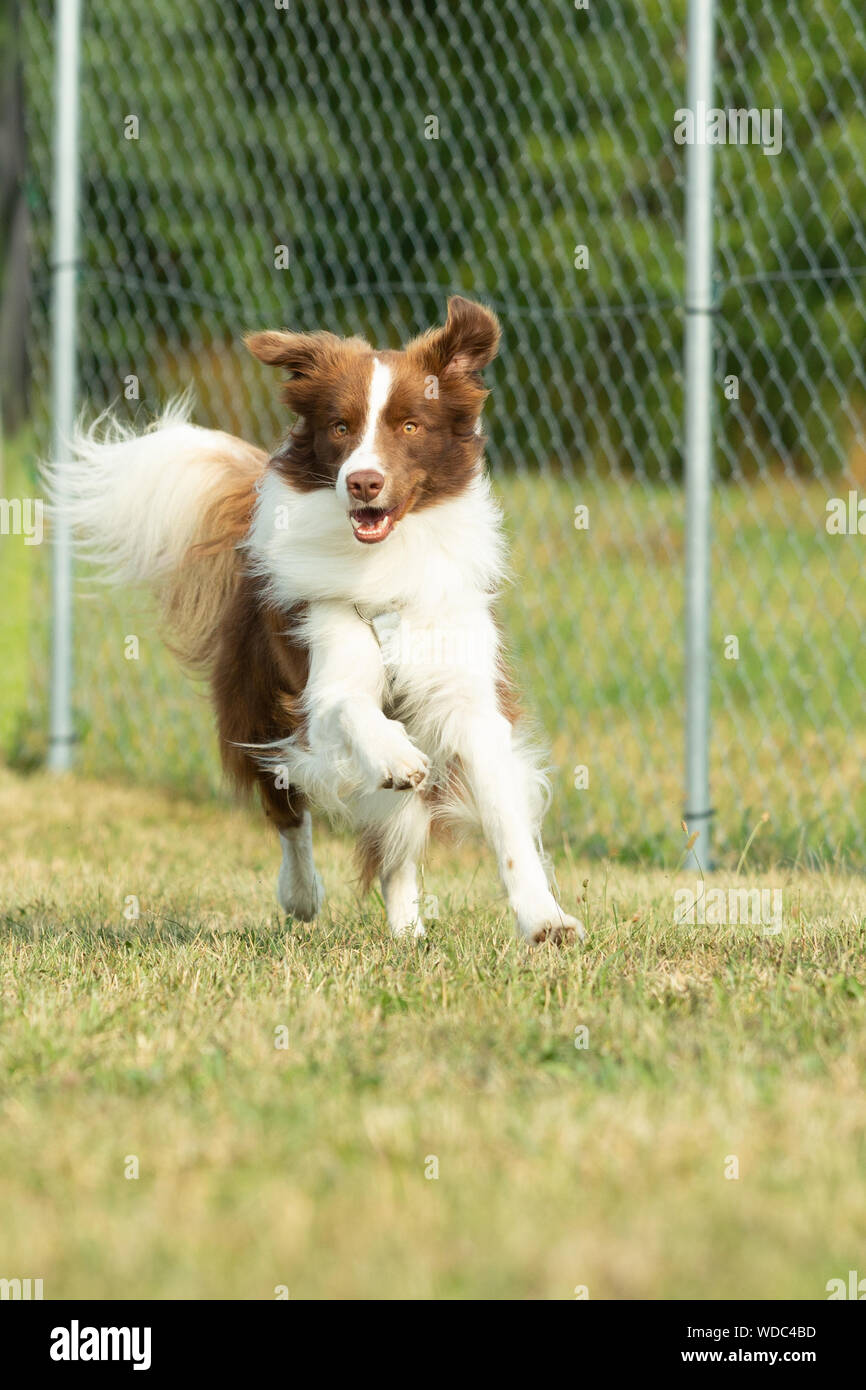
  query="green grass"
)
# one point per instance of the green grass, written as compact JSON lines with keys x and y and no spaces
{"x":305,"y":1166}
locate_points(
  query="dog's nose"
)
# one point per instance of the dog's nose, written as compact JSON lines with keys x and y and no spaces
{"x":365,"y":485}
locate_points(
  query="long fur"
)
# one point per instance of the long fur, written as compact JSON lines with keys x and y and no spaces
{"x":166,"y":509}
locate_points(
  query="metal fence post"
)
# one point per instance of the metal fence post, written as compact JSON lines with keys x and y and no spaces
{"x":698,"y":422}
{"x":64,"y":274}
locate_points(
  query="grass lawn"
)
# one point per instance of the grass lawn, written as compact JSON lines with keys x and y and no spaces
{"x":310,"y":1165}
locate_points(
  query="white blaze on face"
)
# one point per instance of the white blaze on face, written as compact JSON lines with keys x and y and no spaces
{"x":364,"y":456}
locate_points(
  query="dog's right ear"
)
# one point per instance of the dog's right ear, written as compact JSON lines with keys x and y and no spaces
{"x":298,"y":353}
{"x":305,"y":356}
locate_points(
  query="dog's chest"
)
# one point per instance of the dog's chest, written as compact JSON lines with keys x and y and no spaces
{"x":433,"y":658}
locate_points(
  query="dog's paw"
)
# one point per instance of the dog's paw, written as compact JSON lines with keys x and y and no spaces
{"x":406,"y":774}
{"x":552,"y":925}
{"x":300,"y":899}
{"x":397,"y":765}
{"x":561,"y":933}
{"x":412,"y":931}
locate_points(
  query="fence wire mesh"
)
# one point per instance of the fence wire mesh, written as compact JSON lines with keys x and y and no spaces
{"x":347,"y":166}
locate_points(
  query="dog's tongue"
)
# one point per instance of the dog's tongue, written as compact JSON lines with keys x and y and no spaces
{"x":371,"y":524}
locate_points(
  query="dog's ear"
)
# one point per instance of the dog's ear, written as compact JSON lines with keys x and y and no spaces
{"x":298,"y":353}
{"x":307,"y":357}
{"x":465,"y":344}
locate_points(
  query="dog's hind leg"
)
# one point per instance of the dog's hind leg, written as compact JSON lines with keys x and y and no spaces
{"x":300,"y":891}
{"x":392,"y":841}
{"x":402,"y":904}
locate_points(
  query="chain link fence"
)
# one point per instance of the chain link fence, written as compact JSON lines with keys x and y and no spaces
{"x":348,"y":166}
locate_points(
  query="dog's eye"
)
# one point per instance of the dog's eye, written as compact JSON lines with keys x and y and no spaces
{"x":410,"y":427}
{"x":340,"y":427}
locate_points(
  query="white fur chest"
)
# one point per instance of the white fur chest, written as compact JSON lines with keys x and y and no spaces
{"x":439,"y":666}
{"x":437,"y":559}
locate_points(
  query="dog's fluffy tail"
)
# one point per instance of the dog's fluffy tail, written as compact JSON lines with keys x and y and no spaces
{"x":165,"y":509}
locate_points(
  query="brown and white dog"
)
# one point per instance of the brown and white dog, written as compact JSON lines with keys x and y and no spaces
{"x":339,"y":597}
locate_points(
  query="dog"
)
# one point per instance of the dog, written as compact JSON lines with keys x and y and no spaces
{"x":339,"y":597}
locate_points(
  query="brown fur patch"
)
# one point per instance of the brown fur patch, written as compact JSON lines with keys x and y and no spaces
{"x":330,"y":380}
{"x":258,"y":677}
{"x":506,"y":691}
{"x":195,"y":596}
{"x":368,"y":854}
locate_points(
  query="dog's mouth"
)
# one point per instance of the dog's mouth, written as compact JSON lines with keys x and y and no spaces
{"x":373,"y":524}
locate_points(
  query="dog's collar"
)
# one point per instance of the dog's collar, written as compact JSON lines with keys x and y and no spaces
{"x":380,"y":621}
{"x":368,"y":612}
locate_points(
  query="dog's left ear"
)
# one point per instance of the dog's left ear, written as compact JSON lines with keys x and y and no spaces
{"x":466,"y":343}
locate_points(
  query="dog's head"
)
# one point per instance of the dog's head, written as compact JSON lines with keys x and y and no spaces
{"x":389,"y":432}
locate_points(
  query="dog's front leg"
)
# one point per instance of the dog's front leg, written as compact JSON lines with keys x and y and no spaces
{"x":499,"y":781}
{"x":343,"y":700}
